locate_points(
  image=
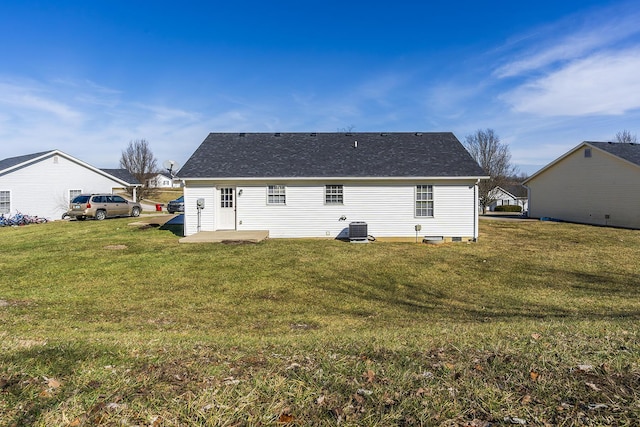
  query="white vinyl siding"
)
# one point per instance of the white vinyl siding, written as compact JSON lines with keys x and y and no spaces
{"x":424,"y":201}
{"x":5,"y":202}
{"x":192,"y":193}
{"x":276,"y":195}
{"x":599,"y":190}
{"x":307,"y":215}
{"x":42,"y":188}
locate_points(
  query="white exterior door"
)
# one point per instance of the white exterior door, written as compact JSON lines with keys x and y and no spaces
{"x":227,"y":208}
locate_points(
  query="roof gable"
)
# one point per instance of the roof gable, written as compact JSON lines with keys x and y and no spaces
{"x":13,"y":163}
{"x":517,"y":191}
{"x":327,"y":155}
{"x":629,"y":152}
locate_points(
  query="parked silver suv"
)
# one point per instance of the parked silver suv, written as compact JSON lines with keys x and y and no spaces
{"x":101,"y":206}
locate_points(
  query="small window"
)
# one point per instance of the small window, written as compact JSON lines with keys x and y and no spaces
{"x":226,"y":197}
{"x":276,"y":195}
{"x":333,"y":195}
{"x":424,"y":200}
{"x":587,"y":152}
{"x":73,"y":194}
{"x":5,"y":202}
{"x":117,"y":199}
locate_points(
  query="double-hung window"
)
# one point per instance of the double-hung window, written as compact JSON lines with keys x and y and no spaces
{"x":276,"y":195}
{"x":5,"y":202}
{"x":424,"y":200}
{"x":333,"y":195}
{"x":73,"y":194}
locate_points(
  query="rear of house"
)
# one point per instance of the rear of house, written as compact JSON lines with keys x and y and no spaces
{"x":316,"y":184}
{"x":595,"y":183}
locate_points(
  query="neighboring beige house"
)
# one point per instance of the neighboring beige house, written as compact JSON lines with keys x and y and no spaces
{"x":594,"y":183}
{"x":42,"y":184}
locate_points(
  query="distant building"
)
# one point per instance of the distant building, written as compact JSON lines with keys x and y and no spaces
{"x":163,"y":181}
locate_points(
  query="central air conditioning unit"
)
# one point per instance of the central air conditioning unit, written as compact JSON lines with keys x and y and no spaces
{"x":358,"y":232}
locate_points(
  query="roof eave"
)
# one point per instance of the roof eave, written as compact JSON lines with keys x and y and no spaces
{"x":340,"y":178}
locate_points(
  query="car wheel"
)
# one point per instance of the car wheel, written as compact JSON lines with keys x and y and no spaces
{"x":100,"y":215}
{"x":135,"y":211}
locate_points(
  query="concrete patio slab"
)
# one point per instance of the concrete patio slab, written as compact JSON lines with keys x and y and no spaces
{"x":251,"y":236}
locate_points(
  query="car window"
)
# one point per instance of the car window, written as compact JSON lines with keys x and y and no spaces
{"x":99,"y":199}
{"x":118,"y":199}
{"x":80,"y":199}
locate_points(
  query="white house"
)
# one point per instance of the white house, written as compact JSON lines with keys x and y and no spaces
{"x":514,"y":194}
{"x":594,"y":183}
{"x":162,"y":181}
{"x":316,"y":184}
{"x":42,"y":184}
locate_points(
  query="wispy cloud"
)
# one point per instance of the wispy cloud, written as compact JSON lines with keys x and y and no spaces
{"x":32,"y":98}
{"x":600,"y":84}
{"x":570,"y":39}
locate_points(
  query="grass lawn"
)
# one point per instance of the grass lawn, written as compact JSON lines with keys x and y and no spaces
{"x":103,"y":323}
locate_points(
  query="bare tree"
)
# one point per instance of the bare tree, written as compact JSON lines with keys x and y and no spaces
{"x":495,"y":160}
{"x":346,"y":129}
{"x":625,"y":136}
{"x":141,"y":163}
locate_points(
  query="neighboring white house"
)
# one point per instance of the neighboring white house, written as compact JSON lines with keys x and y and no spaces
{"x":42,"y":184}
{"x":594,"y":183}
{"x":163,"y":181}
{"x":316,"y":184}
{"x":515,"y":194}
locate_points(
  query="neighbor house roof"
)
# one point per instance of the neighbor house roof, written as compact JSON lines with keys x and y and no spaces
{"x":629,"y":152}
{"x":327,"y":155}
{"x":122,"y":174}
{"x":518,"y":191}
{"x":14,"y":163}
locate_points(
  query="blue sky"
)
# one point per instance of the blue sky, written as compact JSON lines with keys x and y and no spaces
{"x":87,"y":77}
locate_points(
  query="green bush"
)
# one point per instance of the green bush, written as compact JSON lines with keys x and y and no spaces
{"x":508,"y":208}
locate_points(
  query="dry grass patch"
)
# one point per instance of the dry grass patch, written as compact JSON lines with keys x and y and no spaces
{"x":536,"y":322}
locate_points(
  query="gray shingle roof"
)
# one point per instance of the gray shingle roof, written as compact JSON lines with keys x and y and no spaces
{"x":517,"y":190}
{"x":122,"y":174}
{"x":326,"y":155}
{"x":13,"y":161}
{"x":627,"y":151}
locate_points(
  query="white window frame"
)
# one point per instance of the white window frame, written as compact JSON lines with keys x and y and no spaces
{"x":424,"y":204}
{"x":73,"y":193}
{"x":276,"y":195}
{"x":334,"y":194}
{"x":5,"y":201}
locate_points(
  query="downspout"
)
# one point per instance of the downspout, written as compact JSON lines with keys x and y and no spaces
{"x":528,"y":200}
{"x":476,"y":206}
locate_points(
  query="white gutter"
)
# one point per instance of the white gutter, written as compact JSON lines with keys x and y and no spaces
{"x":341,"y":178}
